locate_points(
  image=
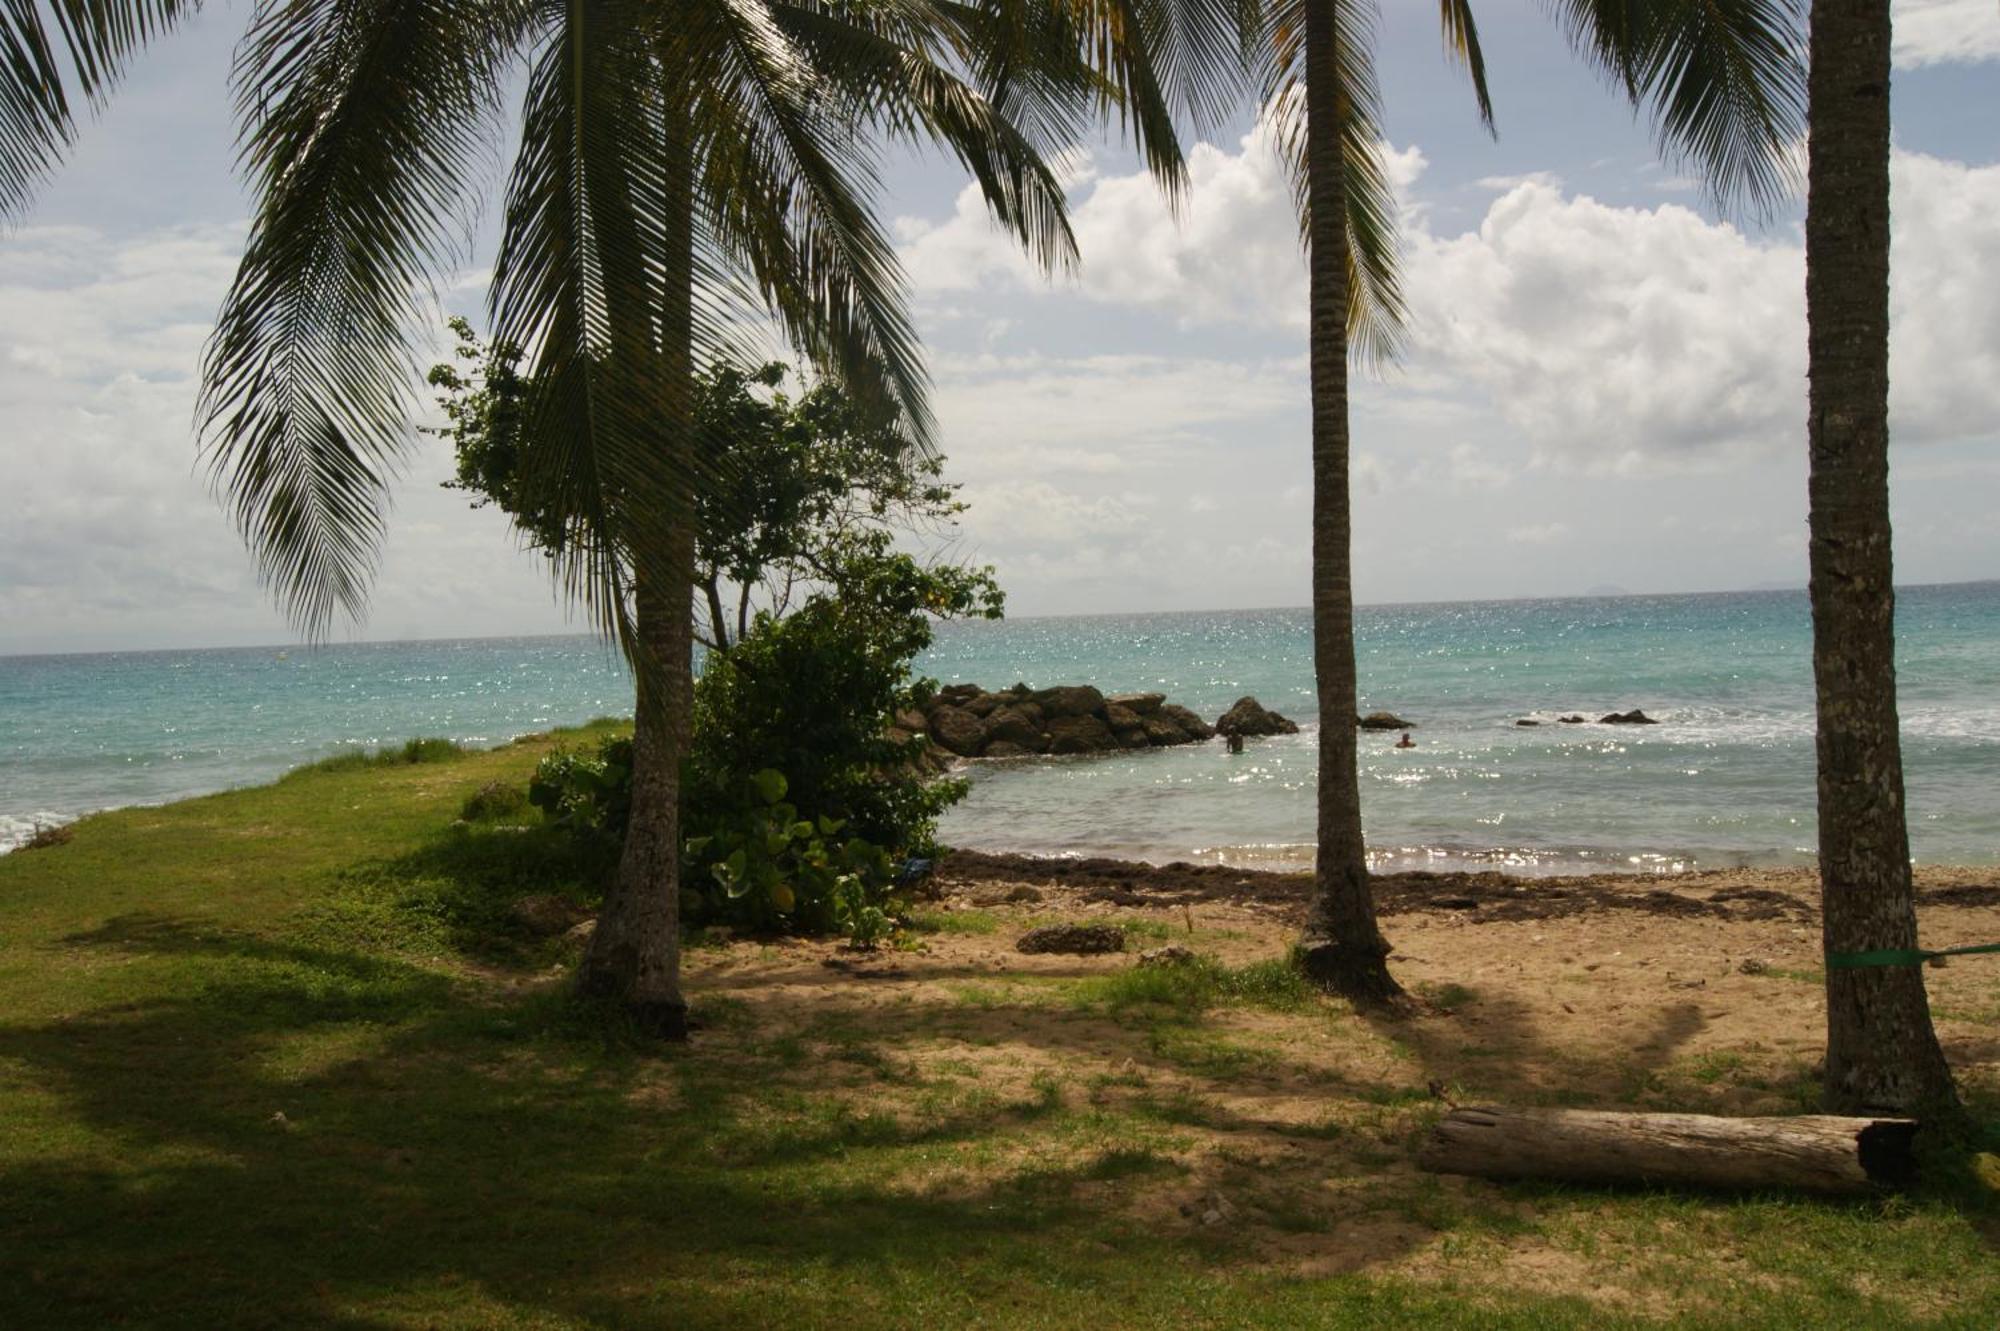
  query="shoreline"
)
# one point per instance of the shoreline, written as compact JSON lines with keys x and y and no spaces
{"x":1749,"y":894}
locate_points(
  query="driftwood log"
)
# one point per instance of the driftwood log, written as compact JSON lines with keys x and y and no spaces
{"x":1815,"y":1153}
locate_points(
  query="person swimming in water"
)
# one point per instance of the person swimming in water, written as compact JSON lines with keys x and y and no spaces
{"x":1406,"y":742}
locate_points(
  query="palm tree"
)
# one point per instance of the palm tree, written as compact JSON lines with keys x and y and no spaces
{"x":1881,"y":1051}
{"x":1721,"y":80}
{"x":680,"y":170}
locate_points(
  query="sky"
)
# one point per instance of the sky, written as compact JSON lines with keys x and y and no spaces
{"x":1604,"y":387}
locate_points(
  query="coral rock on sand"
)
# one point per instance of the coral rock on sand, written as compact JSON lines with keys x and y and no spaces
{"x":1078,"y":939}
{"x":1173,"y":954}
{"x":1383,"y":721}
{"x":1251,"y":718}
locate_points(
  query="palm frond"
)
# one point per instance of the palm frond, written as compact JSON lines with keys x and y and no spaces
{"x":1724,"y":81}
{"x":789,"y":180}
{"x":362,"y":126}
{"x":1377,"y":314}
{"x":38,"y":87}
{"x":598,"y":278}
{"x":893,"y":85}
{"x":1461,"y":42}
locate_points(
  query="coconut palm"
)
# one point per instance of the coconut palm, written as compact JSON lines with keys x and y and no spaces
{"x":1881,"y":1050}
{"x":679,"y":169}
{"x":1720,"y":79}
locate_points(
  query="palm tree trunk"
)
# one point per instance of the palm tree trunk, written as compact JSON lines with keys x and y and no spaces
{"x":1882,"y":1053}
{"x":634,"y":955}
{"x":1342,"y":950}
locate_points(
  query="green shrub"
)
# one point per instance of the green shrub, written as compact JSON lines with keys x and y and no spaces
{"x":764,"y":866}
{"x":496,"y":801}
{"x":590,"y":794}
{"x":812,"y":695}
{"x":431,"y":750}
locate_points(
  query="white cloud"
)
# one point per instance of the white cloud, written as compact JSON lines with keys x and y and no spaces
{"x":1623,"y":339}
{"x":108,"y":535}
{"x":1231,"y":256}
{"x":1616,"y":339}
{"x":1935,"y":32}
{"x":1540,"y":533}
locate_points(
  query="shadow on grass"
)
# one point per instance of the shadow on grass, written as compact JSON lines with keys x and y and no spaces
{"x":457,"y":891}
{"x":299,"y":1134}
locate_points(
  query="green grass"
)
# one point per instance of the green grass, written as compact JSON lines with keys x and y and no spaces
{"x":1192,"y":987}
{"x":282,"y":1058}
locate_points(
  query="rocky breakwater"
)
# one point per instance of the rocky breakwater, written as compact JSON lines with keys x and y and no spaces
{"x":966,"y":720}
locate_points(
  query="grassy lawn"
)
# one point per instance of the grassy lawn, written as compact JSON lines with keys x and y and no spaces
{"x":282,"y":1057}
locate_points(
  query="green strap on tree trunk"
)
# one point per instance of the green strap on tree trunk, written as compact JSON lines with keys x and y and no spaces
{"x":1899,"y":956}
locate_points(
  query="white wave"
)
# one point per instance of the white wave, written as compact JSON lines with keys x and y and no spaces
{"x":15,"y":829}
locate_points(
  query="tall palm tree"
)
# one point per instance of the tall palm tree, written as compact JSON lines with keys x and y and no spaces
{"x":1881,"y":1051}
{"x":1722,"y":83}
{"x":680,"y":169}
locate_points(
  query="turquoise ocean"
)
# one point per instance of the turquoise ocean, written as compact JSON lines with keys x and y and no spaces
{"x":1726,"y":779}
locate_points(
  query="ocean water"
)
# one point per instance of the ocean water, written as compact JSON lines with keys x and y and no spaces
{"x":1726,"y":779}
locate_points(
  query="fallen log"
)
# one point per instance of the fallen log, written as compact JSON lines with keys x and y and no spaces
{"x":1813,"y":1153}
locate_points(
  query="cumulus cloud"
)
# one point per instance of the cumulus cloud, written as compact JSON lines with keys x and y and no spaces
{"x":1612,"y":338}
{"x":108,"y":534}
{"x":1936,"y":32}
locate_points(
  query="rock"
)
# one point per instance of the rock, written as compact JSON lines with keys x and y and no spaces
{"x":1120,"y":717}
{"x":1173,"y":954}
{"x":983,"y":705}
{"x":1384,"y":721}
{"x":1571,"y":720}
{"x":1454,"y":903}
{"x":958,"y":730}
{"x":1013,"y":725}
{"x":582,"y":932}
{"x":1635,"y":717}
{"x":1069,"y":700}
{"x":1752,"y":966}
{"x":1192,"y":726}
{"x":1251,"y":718}
{"x":1010,"y":894}
{"x":1079,"y":734}
{"x":912,"y":720}
{"x":1005,"y":748}
{"x":1526,"y":722}
{"x":955,"y":693}
{"x":1161,"y":731}
{"x":1076,"y":939}
{"x":1145,"y":704}
{"x":545,"y":914}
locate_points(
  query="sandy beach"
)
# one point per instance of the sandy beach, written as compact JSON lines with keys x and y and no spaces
{"x":1695,"y":992}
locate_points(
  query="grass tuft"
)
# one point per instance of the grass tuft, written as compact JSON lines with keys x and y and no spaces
{"x":1191,"y":987}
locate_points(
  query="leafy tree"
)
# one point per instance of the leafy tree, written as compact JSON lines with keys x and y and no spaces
{"x":813,"y":487}
{"x":1722,"y":80}
{"x":1882,"y":1052}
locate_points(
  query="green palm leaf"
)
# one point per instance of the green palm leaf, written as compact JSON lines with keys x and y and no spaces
{"x":1724,"y":81}
{"x":363,"y":122}
{"x":37,"y":119}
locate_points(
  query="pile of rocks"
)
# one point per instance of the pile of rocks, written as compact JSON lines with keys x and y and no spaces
{"x":966,"y":720}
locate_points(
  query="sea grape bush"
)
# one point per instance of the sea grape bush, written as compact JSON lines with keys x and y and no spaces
{"x":778,"y":870}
